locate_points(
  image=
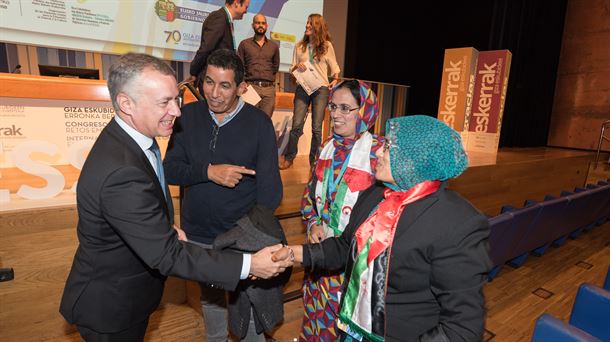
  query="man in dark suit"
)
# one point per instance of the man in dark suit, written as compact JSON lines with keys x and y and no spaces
{"x":217,"y":33}
{"x":127,"y":244}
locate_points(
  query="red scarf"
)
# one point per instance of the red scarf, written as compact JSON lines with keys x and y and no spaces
{"x":382,"y":222}
{"x":373,"y":238}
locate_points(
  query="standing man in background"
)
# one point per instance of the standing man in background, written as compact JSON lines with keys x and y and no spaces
{"x":217,"y":33}
{"x":261,"y":59}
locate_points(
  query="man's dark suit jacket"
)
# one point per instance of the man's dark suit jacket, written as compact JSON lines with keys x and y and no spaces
{"x":127,"y":245}
{"x":215,"y":34}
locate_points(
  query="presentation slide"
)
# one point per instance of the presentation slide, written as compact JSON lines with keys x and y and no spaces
{"x":167,"y":29}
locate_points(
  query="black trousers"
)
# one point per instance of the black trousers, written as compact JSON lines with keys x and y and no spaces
{"x":133,"y":334}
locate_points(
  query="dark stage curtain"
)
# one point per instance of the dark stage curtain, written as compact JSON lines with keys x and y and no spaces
{"x":3,"y":58}
{"x":404,"y":43}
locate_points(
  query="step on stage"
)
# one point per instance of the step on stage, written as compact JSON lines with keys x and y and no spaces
{"x":491,"y":181}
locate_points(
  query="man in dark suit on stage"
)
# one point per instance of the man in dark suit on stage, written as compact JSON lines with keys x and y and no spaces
{"x":127,"y":244}
{"x":217,"y":33}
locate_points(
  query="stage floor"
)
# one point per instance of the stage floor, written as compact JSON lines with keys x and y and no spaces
{"x":299,"y":172}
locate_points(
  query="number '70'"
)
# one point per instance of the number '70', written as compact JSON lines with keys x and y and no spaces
{"x":173,"y":35}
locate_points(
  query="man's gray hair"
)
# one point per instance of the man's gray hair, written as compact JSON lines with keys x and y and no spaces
{"x":128,"y":67}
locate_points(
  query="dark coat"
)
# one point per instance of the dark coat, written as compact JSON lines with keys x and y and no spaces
{"x":438,"y":265}
{"x":215,"y":34}
{"x":126,"y":244}
{"x":258,"y":229}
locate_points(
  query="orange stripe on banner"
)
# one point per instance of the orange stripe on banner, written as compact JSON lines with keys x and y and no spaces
{"x":55,"y":88}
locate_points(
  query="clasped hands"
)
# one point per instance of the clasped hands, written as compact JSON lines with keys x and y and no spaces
{"x":267,"y":263}
{"x":270,"y":261}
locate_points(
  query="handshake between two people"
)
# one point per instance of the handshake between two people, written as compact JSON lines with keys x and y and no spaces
{"x":270,"y":261}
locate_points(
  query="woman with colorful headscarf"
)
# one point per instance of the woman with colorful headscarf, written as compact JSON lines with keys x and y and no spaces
{"x":415,"y":253}
{"x":344,"y":167}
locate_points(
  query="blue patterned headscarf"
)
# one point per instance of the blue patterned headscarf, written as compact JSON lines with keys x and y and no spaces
{"x":369,"y":108}
{"x":423,"y":148}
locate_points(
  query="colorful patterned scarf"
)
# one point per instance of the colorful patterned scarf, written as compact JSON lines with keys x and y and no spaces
{"x":369,"y":110}
{"x":344,"y":167}
{"x":355,"y":174}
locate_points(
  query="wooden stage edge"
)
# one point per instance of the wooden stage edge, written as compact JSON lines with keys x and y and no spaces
{"x":514,"y":174}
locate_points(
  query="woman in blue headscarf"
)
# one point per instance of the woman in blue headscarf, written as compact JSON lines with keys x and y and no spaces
{"x":415,"y":253}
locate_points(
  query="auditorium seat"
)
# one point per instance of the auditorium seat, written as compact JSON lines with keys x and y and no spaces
{"x":543,"y":230}
{"x":598,"y":204}
{"x":522,"y":222}
{"x":502,"y":240}
{"x":549,"y":328}
{"x":574,"y":220}
{"x":591,"y":311}
{"x":605,"y":212}
{"x":516,"y":232}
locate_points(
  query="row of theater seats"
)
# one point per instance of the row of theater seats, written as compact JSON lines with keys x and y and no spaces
{"x":517,"y":232}
{"x":589,"y":319}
